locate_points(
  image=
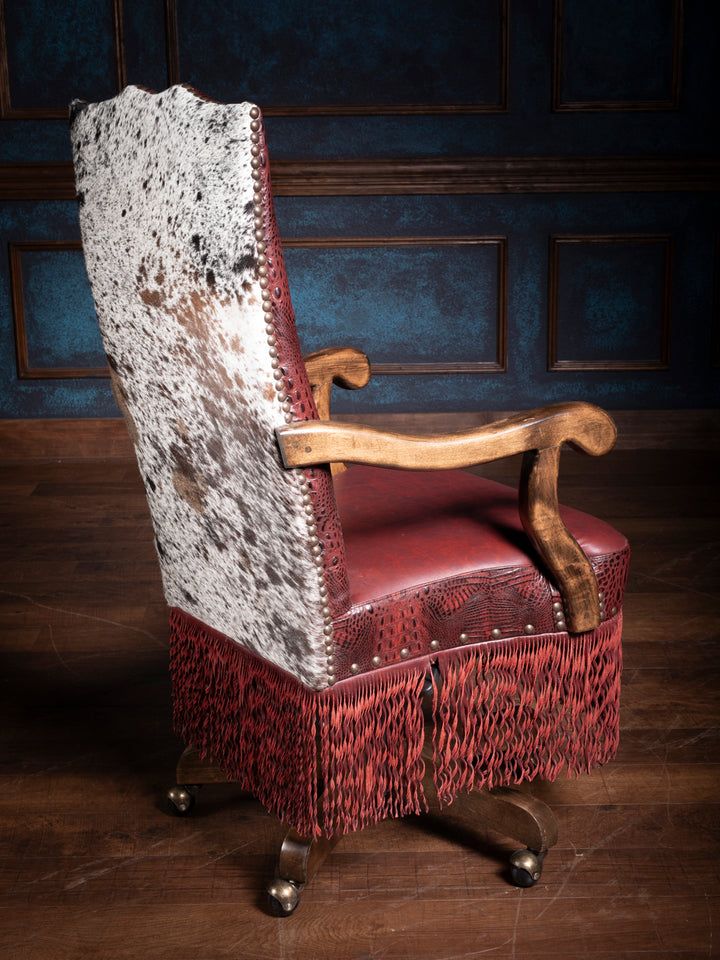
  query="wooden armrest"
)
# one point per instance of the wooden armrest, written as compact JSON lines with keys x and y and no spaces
{"x":538,"y":435}
{"x":579,"y":424}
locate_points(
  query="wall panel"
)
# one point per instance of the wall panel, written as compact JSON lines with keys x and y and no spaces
{"x":371,"y":59}
{"x":617,"y":56}
{"x":56,"y":330}
{"x":610,"y":302}
{"x":40,"y":72}
{"x":408,"y":302}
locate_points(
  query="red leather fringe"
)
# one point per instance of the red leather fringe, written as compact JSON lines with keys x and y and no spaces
{"x":344,"y":758}
{"x":372,"y":732}
{"x":255,"y":721}
{"x":521,"y":709}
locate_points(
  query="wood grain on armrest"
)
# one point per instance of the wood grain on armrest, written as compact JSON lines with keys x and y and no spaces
{"x":580,"y":424}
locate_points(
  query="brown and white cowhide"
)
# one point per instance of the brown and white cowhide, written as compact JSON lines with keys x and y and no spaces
{"x":166,"y":210}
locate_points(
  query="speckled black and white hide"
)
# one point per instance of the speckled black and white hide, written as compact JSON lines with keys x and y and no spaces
{"x":166,"y":200}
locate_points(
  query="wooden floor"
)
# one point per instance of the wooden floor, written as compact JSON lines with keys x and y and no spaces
{"x":92,"y":866}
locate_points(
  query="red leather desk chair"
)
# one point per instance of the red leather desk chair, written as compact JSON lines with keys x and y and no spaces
{"x":348,"y":646}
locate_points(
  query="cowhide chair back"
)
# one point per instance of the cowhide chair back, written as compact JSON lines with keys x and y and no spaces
{"x":187,"y":274}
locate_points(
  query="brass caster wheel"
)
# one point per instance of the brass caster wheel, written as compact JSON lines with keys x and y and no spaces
{"x":526,"y":868}
{"x":283,"y":898}
{"x":181,"y":800}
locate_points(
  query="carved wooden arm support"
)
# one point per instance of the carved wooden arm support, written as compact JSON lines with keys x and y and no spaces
{"x":538,"y":435}
{"x":343,"y":366}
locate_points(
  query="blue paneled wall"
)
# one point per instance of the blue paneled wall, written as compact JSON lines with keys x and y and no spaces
{"x":498,"y":290}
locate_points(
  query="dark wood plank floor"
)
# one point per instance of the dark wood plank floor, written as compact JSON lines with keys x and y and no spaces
{"x":91,"y":866}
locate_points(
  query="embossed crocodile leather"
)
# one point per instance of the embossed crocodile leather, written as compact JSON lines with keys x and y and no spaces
{"x":300,"y":398}
{"x":440,"y":560}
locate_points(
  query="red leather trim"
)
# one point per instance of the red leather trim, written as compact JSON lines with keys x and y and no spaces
{"x":299,"y":395}
{"x":438,"y":561}
{"x":404,"y":529}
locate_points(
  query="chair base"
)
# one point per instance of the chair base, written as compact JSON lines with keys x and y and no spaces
{"x":507,"y":810}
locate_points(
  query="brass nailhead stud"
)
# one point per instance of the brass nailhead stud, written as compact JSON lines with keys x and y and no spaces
{"x":354,"y":668}
{"x":557,"y":606}
{"x":496,"y":634}
{"x":529,"y":629}
{"x":613,"y":611}
{"x":404,"y":653}
{"x":560,"y":625}
{"x":376,"y":661}
{"x":463,"y":638}
{"x":434,"y":644}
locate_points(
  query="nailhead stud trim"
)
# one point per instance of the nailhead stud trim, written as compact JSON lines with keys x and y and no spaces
{"x":279,"y":376}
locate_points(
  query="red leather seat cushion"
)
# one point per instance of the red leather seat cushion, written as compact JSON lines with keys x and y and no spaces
{"x":404,"y":528}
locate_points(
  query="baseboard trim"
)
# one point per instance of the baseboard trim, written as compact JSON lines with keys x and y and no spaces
{"x":108,"y":439}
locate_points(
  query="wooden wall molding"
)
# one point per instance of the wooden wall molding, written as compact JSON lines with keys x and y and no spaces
{"x":466,"y":175}
{"x":662,"y":362}
{"x":25,"y":370}
{"x":8,"y":112}
{"x":107,"y":439}
{"x":499,"y":363}
{"x":559,"y":105}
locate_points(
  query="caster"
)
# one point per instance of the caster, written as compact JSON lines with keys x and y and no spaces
{"x":283,"y":898}
{"x":526,"y":868}
{"x":181,"y":800}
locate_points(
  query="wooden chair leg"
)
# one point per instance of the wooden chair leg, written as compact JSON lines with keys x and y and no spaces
{"x":512,"y":813}
{"x":507,"y":810}
{"x":190,"y":774}
{"x":300,"y":859}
